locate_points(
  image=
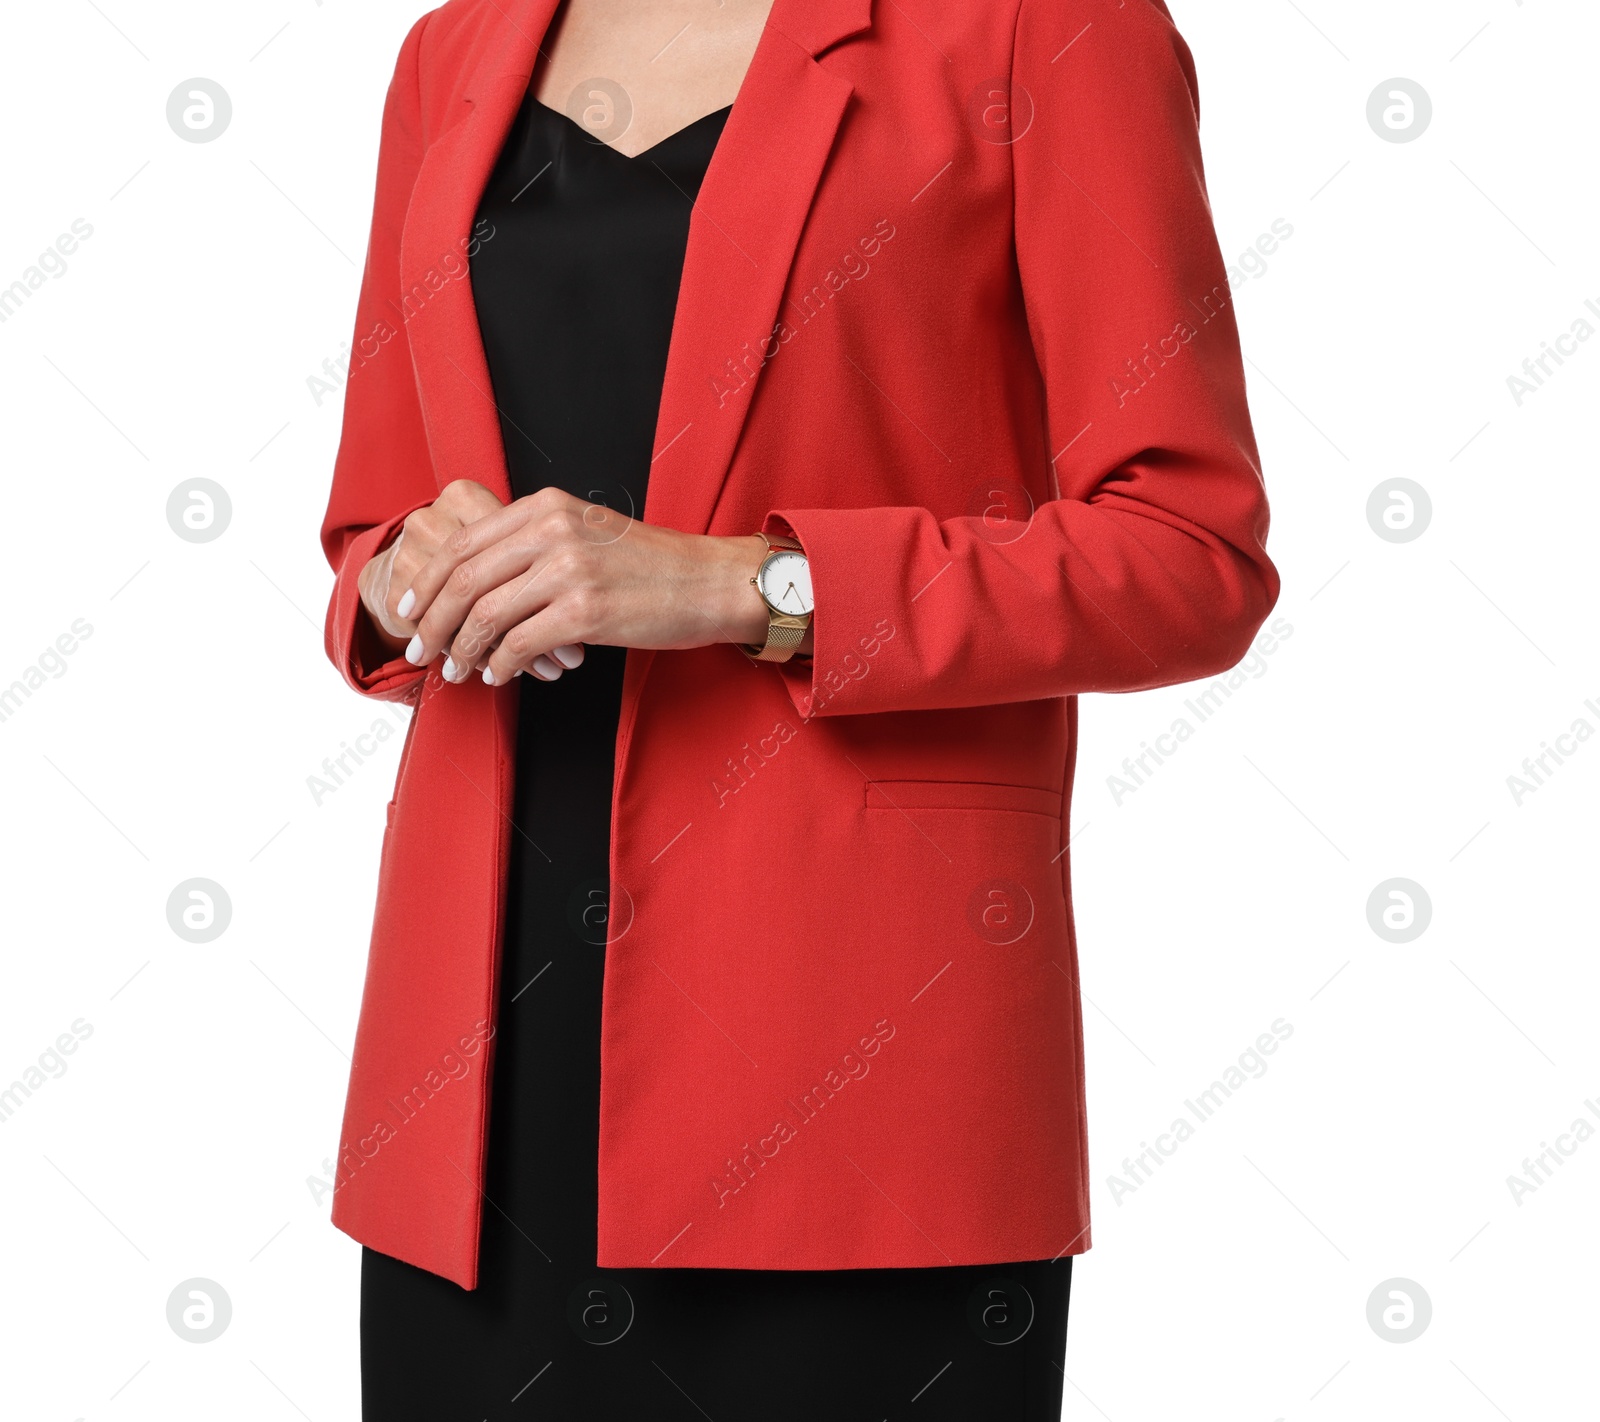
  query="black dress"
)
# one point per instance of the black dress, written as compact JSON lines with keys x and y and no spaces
{"x":575,"y":293}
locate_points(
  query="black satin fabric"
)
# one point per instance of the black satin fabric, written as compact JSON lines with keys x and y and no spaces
{"x":576,"y":289}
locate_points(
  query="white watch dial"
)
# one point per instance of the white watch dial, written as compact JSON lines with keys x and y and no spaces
{"x":786,"y":582}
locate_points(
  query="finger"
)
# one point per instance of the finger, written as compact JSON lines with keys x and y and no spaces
{"x":378,"y":595}
{"x":543,"y":669}
{"x":549,"y":636}
{"x":548,"y":666}
{"x":477,"y":528}
{"x":453,"y":602}
{"x":495,"y":615}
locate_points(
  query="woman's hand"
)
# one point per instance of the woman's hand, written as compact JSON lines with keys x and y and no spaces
{"x":518,"y":588}
{"x":386,"y":577}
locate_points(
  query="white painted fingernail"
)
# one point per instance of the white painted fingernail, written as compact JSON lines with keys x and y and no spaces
{"x":414,"y":650}
{"x":546,"y":668}
{"x":448,"y":671}
{"x":488,"y":676}
{"x":569,"y":656}
{"x":517,"y":672}
{"x":407,"y":603}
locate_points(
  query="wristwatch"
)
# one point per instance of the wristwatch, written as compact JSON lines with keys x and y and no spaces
{"x":784,"y":582}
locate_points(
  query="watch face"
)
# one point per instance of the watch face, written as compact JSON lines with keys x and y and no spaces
{"x":786,"y":582}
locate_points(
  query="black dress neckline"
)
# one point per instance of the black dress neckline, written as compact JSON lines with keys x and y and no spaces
{"x":720,"y":115}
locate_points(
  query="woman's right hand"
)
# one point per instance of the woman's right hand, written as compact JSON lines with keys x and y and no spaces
{"x":387,"y":576}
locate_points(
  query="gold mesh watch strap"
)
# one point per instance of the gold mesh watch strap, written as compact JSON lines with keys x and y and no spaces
{"x":784,"y":632}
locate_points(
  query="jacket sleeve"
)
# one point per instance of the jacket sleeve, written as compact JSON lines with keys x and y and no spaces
{"x":383,"y":471}
{"x":1148,"y":566}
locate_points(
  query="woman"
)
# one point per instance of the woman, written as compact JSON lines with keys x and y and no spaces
{"x":749,"y":455}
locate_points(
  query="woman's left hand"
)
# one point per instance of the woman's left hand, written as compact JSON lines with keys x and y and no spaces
{"x":550,"y":571}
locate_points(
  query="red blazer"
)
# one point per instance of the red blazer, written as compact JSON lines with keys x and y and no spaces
{"x":952,"y":314}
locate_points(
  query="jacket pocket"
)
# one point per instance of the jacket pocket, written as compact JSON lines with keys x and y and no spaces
{"x":960,"y":795}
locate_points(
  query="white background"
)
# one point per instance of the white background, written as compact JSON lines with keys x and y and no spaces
{"x":1228,"y":891}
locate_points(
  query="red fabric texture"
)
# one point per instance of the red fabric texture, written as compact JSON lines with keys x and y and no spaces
{"x":954,"y":316}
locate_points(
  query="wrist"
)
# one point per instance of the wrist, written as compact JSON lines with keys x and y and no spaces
{"x":745,"y":615}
